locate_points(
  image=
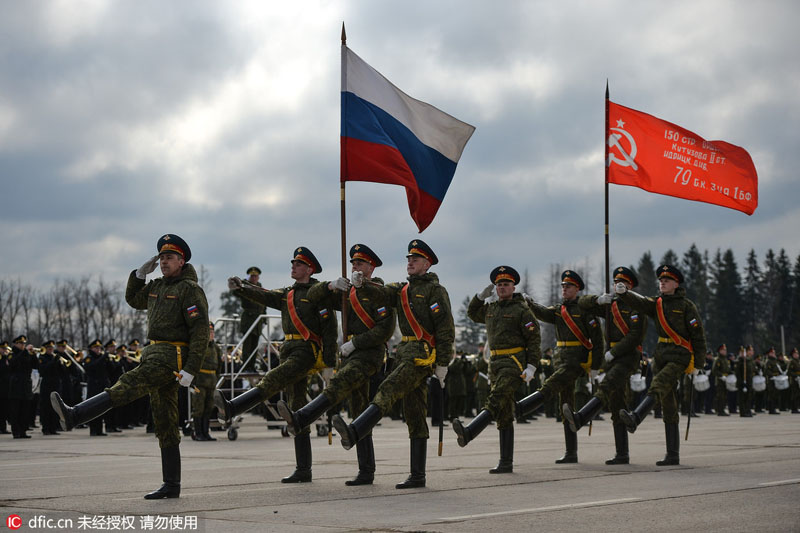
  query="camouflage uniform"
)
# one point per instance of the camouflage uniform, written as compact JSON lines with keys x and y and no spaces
{"x":772,"y":369}
{"x":251,"y":310}
{"x":720,"y":370}
{"x":456,"y":386}
{"x":794,"y":383}
{"x":745,"y":370}
{"x":177,"y":326}
{"x":511,"y":327}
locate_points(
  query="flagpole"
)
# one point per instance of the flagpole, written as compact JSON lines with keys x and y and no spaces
{"x":342,"y":166}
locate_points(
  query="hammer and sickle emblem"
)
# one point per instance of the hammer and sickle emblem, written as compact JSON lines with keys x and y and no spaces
{"x":627,"y":159}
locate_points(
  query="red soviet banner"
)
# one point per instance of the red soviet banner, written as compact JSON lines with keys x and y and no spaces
{"x":654,"y":155}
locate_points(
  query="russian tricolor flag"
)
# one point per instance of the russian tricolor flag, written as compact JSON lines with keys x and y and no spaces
{"x":389,"y":137}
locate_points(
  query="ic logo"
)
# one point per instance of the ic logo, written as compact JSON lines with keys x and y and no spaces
{"x":14,"y":521}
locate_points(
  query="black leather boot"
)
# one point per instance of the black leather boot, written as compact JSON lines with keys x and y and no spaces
{"x":621,"y":444}
{"x":91,"y":408}
{"x":530,"y":403}
{"x":240,"y":404}
{"x":197,"y":429}
{"x":473,"y":429}
{"x":419,"y":448}
{"x":297,"y":421}
{"x":206,"y":433}
{"x":506,"y":464}
{"x":632,"y":419}
{"x":360,"y":428}
{"x":579,"y":418}
{"x":302,"y":453}
{"x":366,"y":463}
{"x":673,"y":446}
{"x":171,"y":474}
{"x":571,"y":454}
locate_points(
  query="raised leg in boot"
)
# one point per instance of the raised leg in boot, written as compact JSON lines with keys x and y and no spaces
{"x":302,"y":453}
{"x":632,"y":419}
{"x":171,"y":475}
{"x":473,"y":429}
{"x":238,"y":405}
{"x":298,"y":420}
{"x":579,"y":418}
{"x":360,"y":428}
{"x":366,"y":463}
{"x":416,"y":479}
{"x":88,"y":410}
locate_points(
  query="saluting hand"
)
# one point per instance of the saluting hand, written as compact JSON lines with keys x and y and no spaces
{"x":234,"y":283}
{"x":148,"y":267}
{"x":485,"y":293}
{"x":340,"y":284}
{"x":605,"y":299}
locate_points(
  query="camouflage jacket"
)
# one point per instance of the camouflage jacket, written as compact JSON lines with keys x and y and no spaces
{"x":721,"y":367}
{"x":745,"y":370}
{"x":626,"y":348}
{"x":373,"y":301}
{"x":177,"y":311}
{"x":572,"y":352}
{"x":509,"y":324}
{"x":430,"y":304}
{"x":212,"y":363}
{"x":317,"y":316}
{"x":771,"y":368}
{"x":681,"y":316}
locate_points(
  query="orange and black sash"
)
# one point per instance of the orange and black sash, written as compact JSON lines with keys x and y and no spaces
{"x":673,"y":335}
{"x":618,"y":320}
{"x":416,"y":327}
{"x":302,"y":329}
{"x":573,"y":327}
{"x":359,"y":309}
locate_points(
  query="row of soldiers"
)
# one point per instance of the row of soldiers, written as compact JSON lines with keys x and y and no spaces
{"x":420,"y":305}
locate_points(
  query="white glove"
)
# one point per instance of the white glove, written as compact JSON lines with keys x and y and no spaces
{"x":358,"y":279}
{"x":147,"y":267}
{"x":695,"y":372}
{"x":609,"y":356}
{"x":339,"y":284}
{"x":184,"y":378}
{"x":440,"y":372}
{"x":348,"y":348}
{"x":620,"y":288}
{"x":744,"y":389}
{"x":327,"y":374}
{"x":605,"y":298}
{"x":234,"y":283}
{"x":593,"y":374}
{"x":485,"y":293}
{"x":528,"y":373}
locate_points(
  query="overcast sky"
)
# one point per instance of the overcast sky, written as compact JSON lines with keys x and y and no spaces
{"x":219,"y":121}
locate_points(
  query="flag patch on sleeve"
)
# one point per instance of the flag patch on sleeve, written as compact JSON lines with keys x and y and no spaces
{"x":382,"y":311}
{"x":693,"y":322}
{"x":635,"y":318}
{"x":192,"y":310}
{"x":435,"y":307}
{"x":529,"y":325}
{"x":323,"y":313}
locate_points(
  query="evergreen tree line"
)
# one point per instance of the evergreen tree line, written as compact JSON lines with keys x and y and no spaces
{"x":757,"y":303}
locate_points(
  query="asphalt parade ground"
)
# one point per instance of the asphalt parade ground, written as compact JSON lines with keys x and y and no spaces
{"x":736,"y":474}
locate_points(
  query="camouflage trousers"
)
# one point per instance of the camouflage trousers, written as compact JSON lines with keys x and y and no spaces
{"x":156,"y":378}
{"x":297,"y":359}
{"x":562,"y":382}
{"x":352,"y":380}
{"x":500,"y":403}
{"x":664,"y":388}
{"x":720,"y":396}
{"x":615,"y":385}
{"x":407,"y":381}
{"x":203,"y":398}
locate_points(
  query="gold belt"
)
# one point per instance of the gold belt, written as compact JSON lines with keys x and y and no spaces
{"x":507,"y":351}
{"x":569,"y":343}
{"x":666,"y":340}
{"x":293,"y":337}
{"x":430,"y":353}
{"x":204,"y":371}
{"x":177,"y":345}
{"x":406,"y":338}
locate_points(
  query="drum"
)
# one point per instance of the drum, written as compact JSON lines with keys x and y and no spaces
{"x":638,"y":383}
{"x":701,"y":383}
{"x":730,"y":382}
{"x":781,"y":382}
{"x":759,"y":383}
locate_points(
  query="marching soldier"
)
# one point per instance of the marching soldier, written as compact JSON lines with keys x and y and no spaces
{"x":5,"y":349}
{"x":426,"y":347}
{"x":579,"y":343}
{"x":793,"y":372}
{"x":626,"y":334}
{"x":370,"y":324}
{"x":745,"y":370}
{"x":96,"y":366}
{"x":456,"y":386}
{"x":772,"y":370}
{"x":251,"y":310}
{"x":50,"y":370}
{"x":720,"y":370}
{"x":310,"y":345}
{"x":206,"y":383}
{"x":515,"y":342}
{"x":481,"y":378}
{"x":177,"y":326}
{"x":680,"y":338}
{"x":20,"y":387}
